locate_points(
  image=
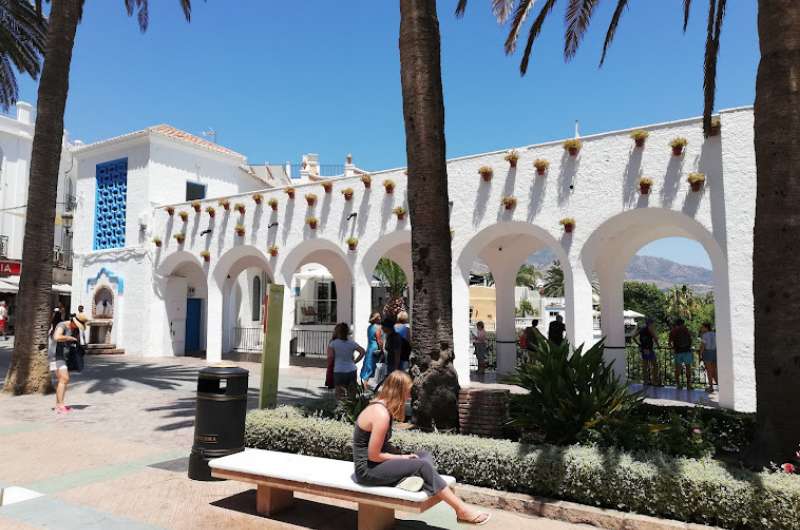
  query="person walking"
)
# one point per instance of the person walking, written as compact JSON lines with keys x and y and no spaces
{"x":396,"y":349}
{"x":647,"y":340}
{"x":374,"y":349}
{"x":708,"y":354}
{"x":63,"y":338}
{"x":680,"y":339}
{"x":481,"y":346}
{"x":555,"y":333}
{"x":341,"y":350}
{"x":402,"y":327}
{"x":378,"y":463}
{"x":3,"y":319}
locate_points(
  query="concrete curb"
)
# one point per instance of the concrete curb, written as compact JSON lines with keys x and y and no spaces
{"x":569,"y":511}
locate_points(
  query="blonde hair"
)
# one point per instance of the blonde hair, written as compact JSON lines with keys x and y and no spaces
{"x":393,"y":392}
{"x":402,"y":317}
{"x":375,"y":318}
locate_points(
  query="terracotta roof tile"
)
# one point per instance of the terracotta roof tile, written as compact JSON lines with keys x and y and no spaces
{"x":172,"y":132}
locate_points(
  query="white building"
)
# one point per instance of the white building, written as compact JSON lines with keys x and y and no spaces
{"x":16,"y":142}
{"x":160,"y":292}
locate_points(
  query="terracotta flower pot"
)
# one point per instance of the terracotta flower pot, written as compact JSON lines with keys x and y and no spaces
{"x":512,"y":163}
{"x":347,"y":196}
{"x":206,"y":258}
{"x":644,"y":189}
{"x":157,"y":243}
{"x":311,"y":202}
{"x":697,"y":186}
{"x":240,"y":233}
{"x":257,"y":201}
{"x":226,"y":206}
{"x":677,"y":150}
{"x":274,"y":207}
{"x":389,"y":189}
{"x":212,"y":214}
{"x":509,"y":206}
{"x":328,"y":188}
{"x":573,"y":151}
{"x":569,"y":228}
{"x":312,"y":225}
{"x":196,"y":208}
{"x":273,"y":253}
{"x":170,"y":211}
{"x":540,"y":171}
{"x":352,"y":246}
{"x":639,"y":142}
{"x":290,"y":194}
{"x":401,"y":216}
{"x":486,"y":177}
{"x":367,"y":184}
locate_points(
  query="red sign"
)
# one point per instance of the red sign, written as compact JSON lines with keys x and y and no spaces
{"x":10,"y":268}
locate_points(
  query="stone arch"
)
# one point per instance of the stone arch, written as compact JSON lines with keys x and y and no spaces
{"x":611,"y":246}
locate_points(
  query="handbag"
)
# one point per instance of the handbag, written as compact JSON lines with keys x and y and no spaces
{"x":73,"y":356}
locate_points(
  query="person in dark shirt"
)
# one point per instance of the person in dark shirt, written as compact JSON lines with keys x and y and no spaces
{"x":397,"y":350}
{"x":647,"y":340}
{"x":680,"y":339}
{"x":555,"y":333}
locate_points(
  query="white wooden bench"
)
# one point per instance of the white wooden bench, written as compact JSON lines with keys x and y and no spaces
{"x":279,"y":475}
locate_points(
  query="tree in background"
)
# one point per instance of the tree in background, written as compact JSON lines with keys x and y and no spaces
{"x":681,"y":303}
{"x":526,"y":308}
{"x":554,"y":281}
{"x":392,"y":277}
{"x":647,"y":299}
{"x":528,"y":276}
{"x":29,"y":371}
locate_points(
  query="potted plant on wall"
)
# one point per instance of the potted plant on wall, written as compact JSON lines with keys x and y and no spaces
{"x":677,"y":145}
{"x":273,"y":250}
{"x":696,"y":180}
{"x":645,"y":184}
{"x":273,"y":203}
{"x":327,"y":186}
{"x":716,"y":126}
{"x":568,"y":223}
{"x":257,"y":198}
{"x":211,"y":211}
{"x":180,"y":237}
{"x":239,"y":207}
{"x":183,"y":215}
{"x":366,"y":179}
{"x":352,"y":243}
{"x":512,"y":157}
{"x":388,"y":185}
{"x":400,"y":212}
{"x":486,"y":173}
{"x":348,"y":193}
{"x":157,"y":241}
{"x":170,"y":210}
{"x":573,"y":146}
{"x":312,"y":222}
{"x":196,"y":206}
{"x":509,"y":202}
{"x":311,"y":199}
{"x":239,"y":229}
{"x":541,"y":166}
{"x":639,"y":136}
{"x":225,"y":203}
{"x":206,"y":255}
{"x":290,"y":192}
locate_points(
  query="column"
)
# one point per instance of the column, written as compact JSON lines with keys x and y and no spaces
{"x":214,"y":319}
{"x":288,"y":320}
{"x":506,"y":335}
{"x":612,"y":316}
{"x":362,"y":306}
{"x":578,"y":305}
{"x":461,"y":340}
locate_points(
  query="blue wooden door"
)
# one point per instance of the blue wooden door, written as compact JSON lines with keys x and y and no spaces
{"x":194,"y":313}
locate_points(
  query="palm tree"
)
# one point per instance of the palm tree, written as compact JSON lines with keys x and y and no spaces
{"x":528,"y":276}
{"x":554,"y":281}
{"x":22,"y":41}
{"x":777,"y":147}
{"x":435,"y":394}
{"x":681,"y":302}
{"x":392,"y":277}
{"x":28,"y":372}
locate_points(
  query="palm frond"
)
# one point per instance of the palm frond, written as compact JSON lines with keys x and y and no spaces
{"x":501,"y":9}
{"x":520,"y":14}
{"x":536,"y":28}
{"x":186,"y":5}
{"x":612,"y":28}
{"x":687,"y":6}
{"x":23,"y":35}
{"x":578,"y":16}
{"x":461,"y":8}
{"x":716,"y":14}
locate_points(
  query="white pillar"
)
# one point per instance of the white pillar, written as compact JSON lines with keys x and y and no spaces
{"x":506,"y":334}
{"x":461,"y":340}
{"x":362,"y":306}
{"x":288,"y":321}
{"x":578,"y":305}
{"x":214,"y":321}
{"x":612,"y":318}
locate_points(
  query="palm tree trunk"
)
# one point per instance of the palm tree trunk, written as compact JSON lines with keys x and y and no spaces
{"x":776,"y":264}
{"x":29,"y":371}
{"x":435,"y":396}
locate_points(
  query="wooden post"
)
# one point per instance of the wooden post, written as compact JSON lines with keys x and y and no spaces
{"x":270,"y":501}
{"x":270,"y":358}
{"x":374,"y":517}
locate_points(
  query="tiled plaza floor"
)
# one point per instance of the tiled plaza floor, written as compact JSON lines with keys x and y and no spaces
{"x":119,"y":460}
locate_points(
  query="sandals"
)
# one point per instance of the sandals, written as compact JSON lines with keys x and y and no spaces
{"x":479,"y":520}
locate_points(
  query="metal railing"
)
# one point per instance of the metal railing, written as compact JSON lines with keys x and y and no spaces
{"x":310,"y":342}
{"x":248,"y":339}
{"x":665,"y":364}
{"x":315,"y":311}
{"x":325,"y":170}
{"x":3,"y":246}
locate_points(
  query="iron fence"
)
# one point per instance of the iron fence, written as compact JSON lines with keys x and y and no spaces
{"x":665,"y":364}
{"x":315,"y":311}
{"x":248,"y":339}
{"x":310,"y":342}
{"x":325,"y":170}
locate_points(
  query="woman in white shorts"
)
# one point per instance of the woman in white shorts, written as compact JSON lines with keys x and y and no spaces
{"x":63,"y":335}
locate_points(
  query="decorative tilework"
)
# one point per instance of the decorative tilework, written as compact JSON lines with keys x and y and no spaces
{"x":110,"y":202}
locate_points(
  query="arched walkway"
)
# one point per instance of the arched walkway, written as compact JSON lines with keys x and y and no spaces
{"x":608,"y":252}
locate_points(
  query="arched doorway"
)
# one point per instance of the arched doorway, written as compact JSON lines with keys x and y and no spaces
{"x":181,"y":285}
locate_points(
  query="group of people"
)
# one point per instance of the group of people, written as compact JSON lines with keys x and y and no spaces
{"x":388,"y":349}
{"x":65,"y":350}
{"x":681,"y":342}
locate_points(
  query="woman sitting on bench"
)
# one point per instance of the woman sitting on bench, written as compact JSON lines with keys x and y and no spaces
{"x":376,"y":465}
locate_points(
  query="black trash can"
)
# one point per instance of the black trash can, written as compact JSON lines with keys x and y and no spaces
{"x":219,"y":420}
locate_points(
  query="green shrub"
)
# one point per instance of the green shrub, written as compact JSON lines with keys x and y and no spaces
{"x":704,"y":491}
{"x":569,"y":393}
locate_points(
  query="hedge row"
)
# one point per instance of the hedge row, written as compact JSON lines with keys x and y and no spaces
{"x":702,"y":491}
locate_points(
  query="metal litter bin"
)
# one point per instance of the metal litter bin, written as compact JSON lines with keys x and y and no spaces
{"x":219,"y":419}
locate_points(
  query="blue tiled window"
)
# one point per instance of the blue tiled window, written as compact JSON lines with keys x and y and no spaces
{"x":109,"y":205}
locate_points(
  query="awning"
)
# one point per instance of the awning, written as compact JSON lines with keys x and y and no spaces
{"x":10,"y":284}
{"x":6,"y":287}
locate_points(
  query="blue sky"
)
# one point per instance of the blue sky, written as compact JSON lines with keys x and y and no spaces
{"x":276,"y":79}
